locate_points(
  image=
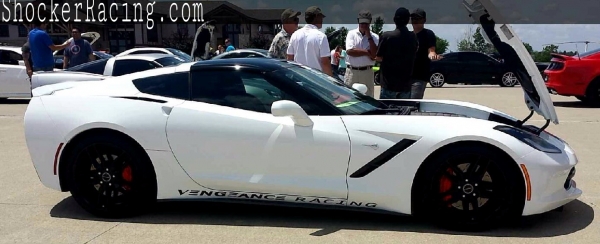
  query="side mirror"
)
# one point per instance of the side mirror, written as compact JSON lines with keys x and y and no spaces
{"x":286,"y":108}
{"x":361,"y":88}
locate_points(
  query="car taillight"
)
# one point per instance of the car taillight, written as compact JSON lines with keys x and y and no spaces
{"x":556,"y":66}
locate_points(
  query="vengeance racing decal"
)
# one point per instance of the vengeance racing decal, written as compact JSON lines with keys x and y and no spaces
{"x":274,"y":197}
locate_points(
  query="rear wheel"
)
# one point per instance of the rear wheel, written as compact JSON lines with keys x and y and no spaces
{"x":469,"y":188}
{"x":592,"y":95}
{"x":437,"y":80}
{"x":509,"y":79}
{"x":111,"y":177}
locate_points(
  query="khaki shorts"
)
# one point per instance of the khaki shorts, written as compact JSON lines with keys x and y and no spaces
{"x":364,"y":77}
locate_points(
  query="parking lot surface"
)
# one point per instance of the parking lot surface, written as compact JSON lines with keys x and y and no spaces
{"x":32,"y":213}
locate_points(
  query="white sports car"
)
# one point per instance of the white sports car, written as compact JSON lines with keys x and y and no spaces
{"x":277,"y":132}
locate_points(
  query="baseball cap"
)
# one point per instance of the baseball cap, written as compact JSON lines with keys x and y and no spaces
{"x":314,"y":11}
{"x":289,"y":14}
{"x":364,"y":16}
{"x":419,"y":13}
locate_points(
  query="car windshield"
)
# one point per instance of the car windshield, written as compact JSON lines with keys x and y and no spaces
{"x":103,"y":55}
{"x":182,"y":55}
{"x":346,"y":99}
{"x":169,"y":61}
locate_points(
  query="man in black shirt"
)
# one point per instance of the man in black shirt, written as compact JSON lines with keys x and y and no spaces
{"x":396,"y":54}
{"x":425,"y":53}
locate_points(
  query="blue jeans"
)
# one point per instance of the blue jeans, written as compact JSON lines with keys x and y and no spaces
{"x":418,"y":89}
{"x":387,"y":94}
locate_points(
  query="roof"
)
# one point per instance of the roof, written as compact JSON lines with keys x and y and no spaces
{"x":265,"y":64}
{"x":145,"y":56}
{"x":211,"y":7}
{"x":11,"y":48}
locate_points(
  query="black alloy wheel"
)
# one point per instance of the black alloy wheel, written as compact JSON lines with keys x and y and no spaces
{"x":471,"y":189}
{"x":111,"y":178}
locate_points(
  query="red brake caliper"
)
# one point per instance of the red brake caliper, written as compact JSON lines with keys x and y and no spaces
{"x":126,"y":174}
{"x":445,"y":185}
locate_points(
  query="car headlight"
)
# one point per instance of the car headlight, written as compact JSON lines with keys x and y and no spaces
{"x":529,"y":138}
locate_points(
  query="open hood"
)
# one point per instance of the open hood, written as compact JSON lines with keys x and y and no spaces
{"x":515,"y":55}
{"x":91,"y":37}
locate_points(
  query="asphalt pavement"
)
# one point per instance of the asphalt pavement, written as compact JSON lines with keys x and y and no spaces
{"x":32,"y":213}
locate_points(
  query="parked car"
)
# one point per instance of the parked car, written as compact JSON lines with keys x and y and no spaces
{"x":265,"y":130}
{"x":243,"y":53}
{"x":470,"y":68}
{"x":145,"y":50}
{"x":577,"y":76}
{"x":103,"y":68}
{"x":14,"y":82}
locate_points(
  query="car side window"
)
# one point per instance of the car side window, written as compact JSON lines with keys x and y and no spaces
{"x":128,"y":66}
{"x":240,"y":89}
{"x":173,"y":85}
{"x":10,"y":57}
{"x":94,"y":67}
{"x":146,"y":51}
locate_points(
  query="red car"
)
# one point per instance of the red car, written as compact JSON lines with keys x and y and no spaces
{"x":577,"y":76}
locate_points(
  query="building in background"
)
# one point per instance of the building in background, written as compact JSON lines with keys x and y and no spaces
{"x":238,"y":24}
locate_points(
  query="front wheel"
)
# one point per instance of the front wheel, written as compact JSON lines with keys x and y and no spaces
{"x":111,"y":177}
{"x":469,"y":188}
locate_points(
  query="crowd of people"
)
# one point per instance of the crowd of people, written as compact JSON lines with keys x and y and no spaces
{"x":404,"y":55}
{"x":38,"y":50}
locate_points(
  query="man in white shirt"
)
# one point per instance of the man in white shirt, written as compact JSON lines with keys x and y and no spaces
{"x":361,"y":48}
{"x":308,"y":45}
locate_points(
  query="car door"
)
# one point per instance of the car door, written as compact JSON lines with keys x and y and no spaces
{"x":14,"y":81}
{"x":480,"y":69}
{"x":226,"y":139}
{"x":450,"y":67}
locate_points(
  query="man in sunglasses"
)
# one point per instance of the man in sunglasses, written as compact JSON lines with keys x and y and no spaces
{"x":281,"y":41}
{"x":425,"y":53}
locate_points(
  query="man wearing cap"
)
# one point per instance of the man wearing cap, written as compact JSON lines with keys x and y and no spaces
{"x":396,"y":53}
{"x":361,"y":47}
{"x":308,"y":45}
{"x":425,"y":53}
{"x":279,"y":46}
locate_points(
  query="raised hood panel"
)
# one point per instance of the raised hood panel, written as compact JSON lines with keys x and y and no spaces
{"x":515,"y":55}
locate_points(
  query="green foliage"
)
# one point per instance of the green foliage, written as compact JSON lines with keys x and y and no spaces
{"x":377,"y":26}
{"x":260,"y":42}
{"x":339,"y":40}
{"x":441,"y":45}
{"x":475,"y":42}
{"x":183,"y":42}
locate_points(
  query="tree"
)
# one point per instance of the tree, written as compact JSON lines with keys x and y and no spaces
{"x":180,"y":41}
{"x":441,"y":45}
{"x":340,"y":39}
{"x":466,"y":43}
{"x":528,"y":47}
{"x":481,"y":44}
{"x":377,"y":26}
{"x":260,"y":42}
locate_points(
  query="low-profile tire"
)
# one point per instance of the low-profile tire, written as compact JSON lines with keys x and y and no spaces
{"x":437,"y":79}
{"x":592,"y":94}
{"x":376,"y":79}
{"x":111,"y":176}
{"x":440,"y":190}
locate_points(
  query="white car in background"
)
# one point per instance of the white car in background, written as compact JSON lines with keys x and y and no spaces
{"x":104,"y":68}
{"x":14,"y":82}
{"x":145,"y":50}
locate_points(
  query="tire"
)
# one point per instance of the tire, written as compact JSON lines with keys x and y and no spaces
{"x":592,"y":94}
{"x":135,"y":179}
{"x":509,"y":79}
{"x":437,"y":79}
{"x":376,"y":79}
{"x":439,"y":192}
